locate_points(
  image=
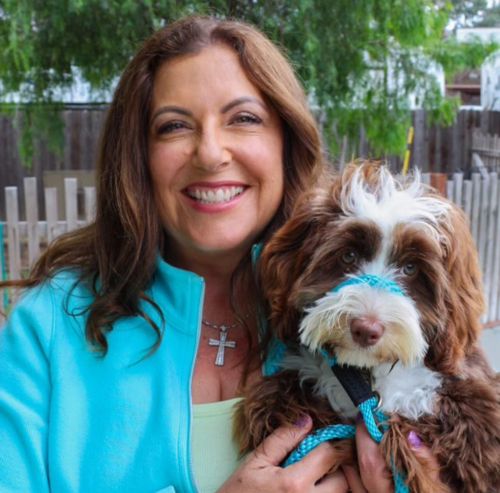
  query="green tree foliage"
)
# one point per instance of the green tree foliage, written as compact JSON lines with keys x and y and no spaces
{"x":456,"y":57}
{"x":359,"y":59}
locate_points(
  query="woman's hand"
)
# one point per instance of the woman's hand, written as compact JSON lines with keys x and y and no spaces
{"x":373,"y":475}
{"x":261,"y":471}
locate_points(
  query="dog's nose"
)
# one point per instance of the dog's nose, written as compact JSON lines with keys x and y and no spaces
{"x":365,"y":331}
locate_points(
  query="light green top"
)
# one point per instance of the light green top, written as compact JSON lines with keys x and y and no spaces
{"x":215,"y":454}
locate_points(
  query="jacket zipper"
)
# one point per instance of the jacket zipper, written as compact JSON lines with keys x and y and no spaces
{"x":198,"y":325}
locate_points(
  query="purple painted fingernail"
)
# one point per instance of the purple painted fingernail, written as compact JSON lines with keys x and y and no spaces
{"x":303,"y":421}
{"x":359,"y":418}
{"x":414,"y":440}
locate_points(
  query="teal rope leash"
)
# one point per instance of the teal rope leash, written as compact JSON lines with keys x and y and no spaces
{"x":332,"y":432}
{"x":371,"y":415}
{"x":369,"y":412}
{"x":338,"y":432}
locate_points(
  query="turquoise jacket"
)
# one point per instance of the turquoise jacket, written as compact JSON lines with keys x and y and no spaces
{"x":73,"y":421}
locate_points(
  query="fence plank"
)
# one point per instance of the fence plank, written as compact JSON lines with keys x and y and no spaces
{"x":449,"y":189}
{"x":483,"y":219}
{"x":13,"y":240}
{"x":70,"y":195}
{"x":476,"y":205}
{"x":458,"y":179}
{"x":31,"y":207}
{"x":90,"y":198}
{"x":490,"y":239}
{"x":467,"y":200}
{"x":494,"y":302}
{"x":51,"y":212}
{"x":455,"y":149}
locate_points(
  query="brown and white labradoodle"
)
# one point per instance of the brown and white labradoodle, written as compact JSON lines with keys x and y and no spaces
{"x":419,"y":346}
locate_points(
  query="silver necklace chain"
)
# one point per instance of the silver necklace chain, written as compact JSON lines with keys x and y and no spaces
{"x":220,"y":326}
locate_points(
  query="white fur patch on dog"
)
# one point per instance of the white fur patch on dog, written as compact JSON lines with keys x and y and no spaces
{"x":407,"y":391}
{"x":394,"y":203}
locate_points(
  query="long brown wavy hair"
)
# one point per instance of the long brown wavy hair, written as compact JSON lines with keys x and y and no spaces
{"x":120,"y":247}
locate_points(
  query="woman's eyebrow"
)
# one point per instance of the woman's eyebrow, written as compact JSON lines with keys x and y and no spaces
{"x":170,"y":109}
{"x":238,"y":101}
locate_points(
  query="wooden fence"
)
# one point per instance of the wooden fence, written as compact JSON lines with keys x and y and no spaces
{"x":82,"y":127}
{"x":24,"y":238}
{"x":438,"y":149}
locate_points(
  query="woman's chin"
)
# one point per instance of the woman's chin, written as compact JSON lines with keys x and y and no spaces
{"x":227,"y":246}
{"x":211,"y":246}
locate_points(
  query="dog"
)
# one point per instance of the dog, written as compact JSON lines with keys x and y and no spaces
{"x":382,"y":273}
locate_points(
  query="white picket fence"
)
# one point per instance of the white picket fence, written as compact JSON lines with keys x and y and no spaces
{"x":23,"y":239}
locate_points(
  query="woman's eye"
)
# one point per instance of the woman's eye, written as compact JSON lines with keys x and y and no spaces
{"x":170,"y":127}
{"x":245,"y":118}
{"x":350,"y":257}
{"x":409,"y":269}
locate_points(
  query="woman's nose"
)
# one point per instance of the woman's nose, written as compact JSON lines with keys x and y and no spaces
{"x":212,"y":151}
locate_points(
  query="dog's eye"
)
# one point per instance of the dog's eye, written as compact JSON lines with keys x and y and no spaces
{"x":350,"y":257}
{"x":409,"y":269}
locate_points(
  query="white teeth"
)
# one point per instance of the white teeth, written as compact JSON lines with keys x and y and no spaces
{"x":218,"y":196}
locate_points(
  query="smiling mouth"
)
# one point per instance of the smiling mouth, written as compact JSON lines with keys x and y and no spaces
{"x":214,"y":196}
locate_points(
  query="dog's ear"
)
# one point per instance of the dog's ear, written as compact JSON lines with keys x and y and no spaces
{"x":288,"y":252}
{"x":463,"y":298}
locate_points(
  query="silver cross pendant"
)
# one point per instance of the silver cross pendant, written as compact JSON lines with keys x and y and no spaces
{"x":223,"y":344}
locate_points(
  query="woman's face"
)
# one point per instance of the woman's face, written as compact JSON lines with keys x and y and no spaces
{"x":215,"y":154}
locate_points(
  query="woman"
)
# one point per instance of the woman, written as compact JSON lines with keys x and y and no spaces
{"x":134,"y":326}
